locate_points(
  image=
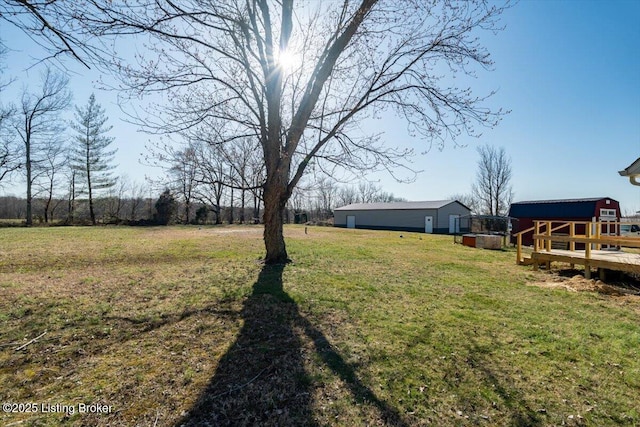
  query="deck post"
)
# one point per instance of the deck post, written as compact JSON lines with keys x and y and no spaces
{"x":602,"y":274}
{"x":572,"y":243}
{"x":587,"y":245}
{"x":572,"y":235}
{"x":587,"y":251}
{"x":548,"y":233}
{"x":536,"y":242}
{"x":519,"y":249}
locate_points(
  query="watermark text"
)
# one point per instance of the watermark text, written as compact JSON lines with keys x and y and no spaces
{"x":56,"y":408}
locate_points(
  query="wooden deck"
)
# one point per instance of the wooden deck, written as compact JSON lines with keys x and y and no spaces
{"x":602,"y":260}
{"x":593,"y":256}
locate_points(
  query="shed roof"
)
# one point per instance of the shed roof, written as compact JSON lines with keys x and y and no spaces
{"x":436,"y":204}
{"x":570,"y":208}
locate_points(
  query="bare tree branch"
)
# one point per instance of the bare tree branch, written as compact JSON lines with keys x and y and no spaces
{"x":219,"y":64}
{"x":492,"y":190}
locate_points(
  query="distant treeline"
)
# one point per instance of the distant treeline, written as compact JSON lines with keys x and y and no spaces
{"x":314,"y":204}
{"x":122,"y":211}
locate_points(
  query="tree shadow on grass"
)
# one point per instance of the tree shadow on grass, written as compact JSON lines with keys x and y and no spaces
{"x":517,"y":408}
{"x":261,"y":380}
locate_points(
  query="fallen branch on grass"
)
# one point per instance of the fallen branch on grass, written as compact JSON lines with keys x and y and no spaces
{"x":32,"y":341}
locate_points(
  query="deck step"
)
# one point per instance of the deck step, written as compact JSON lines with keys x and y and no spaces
{"x":526,"y":261}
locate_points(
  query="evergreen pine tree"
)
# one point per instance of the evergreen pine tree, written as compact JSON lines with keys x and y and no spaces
{"x":166,"y":207}
{"x":89,"y":154}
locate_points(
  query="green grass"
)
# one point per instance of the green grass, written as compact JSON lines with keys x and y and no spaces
{"x":184,"y":325}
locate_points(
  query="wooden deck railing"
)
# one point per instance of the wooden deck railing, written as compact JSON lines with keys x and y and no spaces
{"x":519,"y":258}
{"x":593,"y":238}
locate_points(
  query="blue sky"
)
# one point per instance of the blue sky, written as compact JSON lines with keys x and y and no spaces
{"x":569,"y":71}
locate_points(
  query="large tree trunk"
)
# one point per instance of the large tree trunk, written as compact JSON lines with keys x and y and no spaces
{"x":72,"y":197}
{"x":92,"y":213}
{"x":29,"y":196}
{"x":242,"y":202}
{"x":274,"y":203}
{"x":46,"y":211}
{"x":88,"y":169}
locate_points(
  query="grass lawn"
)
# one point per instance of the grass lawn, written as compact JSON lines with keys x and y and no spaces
{"x":183,"y":326}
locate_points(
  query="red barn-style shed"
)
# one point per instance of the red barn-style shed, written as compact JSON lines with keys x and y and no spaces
{"x":592,"y":209}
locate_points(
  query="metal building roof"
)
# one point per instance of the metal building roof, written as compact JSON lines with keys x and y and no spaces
{"x":436,"y":204}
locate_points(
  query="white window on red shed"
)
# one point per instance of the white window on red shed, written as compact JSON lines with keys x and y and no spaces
{"x":608,"y":213}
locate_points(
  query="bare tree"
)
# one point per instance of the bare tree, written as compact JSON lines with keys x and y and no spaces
{"x":347,"y":195}
{"x":326,"y":190}
{"x":241,"y":158}
{"x":9,"y":151}
{"x":492,"y":189}
{"x":53,"y":160}
{"x":38,"y":125}
{"x":137,"y":193}
{"x":226,"y":170}
{"x":364,"y":192}
{"x":227,"y":67}
{"x":256,"y":181}
{"x":386,"y":197}
{"x":71,"y":175}
{"x":301,"y":198}
{"x":114,"y":202}
{"x":232,"y":176}
{"x":11,"y":207}
{"x":368,"y":192}
{"x":212,"y":175}
{"x":185,"y":174}
{"x":186,"y":165}
{"x":466,"y":199}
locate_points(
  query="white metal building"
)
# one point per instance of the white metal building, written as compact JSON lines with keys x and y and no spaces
{"x":427,"y":217}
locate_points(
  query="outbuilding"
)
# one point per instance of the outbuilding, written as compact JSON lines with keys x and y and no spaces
{"x":587,"y":210}
{"x":440,"y":216}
